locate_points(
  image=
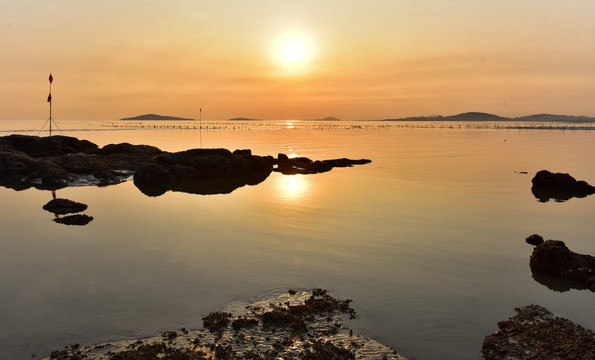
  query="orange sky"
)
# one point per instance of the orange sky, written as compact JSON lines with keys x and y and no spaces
{"x":357,"y":60}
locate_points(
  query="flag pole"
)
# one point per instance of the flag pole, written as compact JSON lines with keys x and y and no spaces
{"x":51,"y":79}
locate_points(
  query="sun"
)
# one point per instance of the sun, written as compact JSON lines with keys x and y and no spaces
{"x":293,"y":52}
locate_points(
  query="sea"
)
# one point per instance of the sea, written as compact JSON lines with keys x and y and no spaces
{"x":428,"y":240}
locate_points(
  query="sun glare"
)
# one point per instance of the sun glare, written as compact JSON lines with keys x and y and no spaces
{"x":293,"y":52}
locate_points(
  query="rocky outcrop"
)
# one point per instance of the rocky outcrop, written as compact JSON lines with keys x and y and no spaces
{"x":559,"y":186}
{"x":303,"y":165}
{"x":201,"y":171}
{"x":59,"y":161}
{"x":554,"y":258}
{"x":535,"y":333}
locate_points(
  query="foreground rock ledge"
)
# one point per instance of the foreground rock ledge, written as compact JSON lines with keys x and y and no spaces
{"x":534,"y":333}
{"x":295,"y":325}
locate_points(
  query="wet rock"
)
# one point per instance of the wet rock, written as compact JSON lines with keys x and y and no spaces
{"x":60,"y":161}
{"x":216,"y":321}
{"x":201,"y":171}
{"x":534,"y":333}
{"x":553,"y":257}
{"x":49,"y":146}
{"x":326,"y":336}
{"x":534,"y":239}
{"x":303,"y":165}
{"x":74,"y":220}
{"x":558,"y":186}
{"x":64,"y":206}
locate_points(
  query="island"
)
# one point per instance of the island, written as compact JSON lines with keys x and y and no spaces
{"x":481,"y":116}
{"x":155,"y":117}
{"x":329,"y":118}
{"x":243,"y":119}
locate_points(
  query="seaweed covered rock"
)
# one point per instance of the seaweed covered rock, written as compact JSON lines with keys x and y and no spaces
{"x":324,"y":335}
{"x":553,"y":257}
{"x":534,"y":333}
{"x":559,"y":186}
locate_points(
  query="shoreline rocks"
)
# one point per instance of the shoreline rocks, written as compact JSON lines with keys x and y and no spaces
{"x":535,"y":333}
{"x":55,"y":162}
{"x":559,"y":186}
{"x":295,"y":325}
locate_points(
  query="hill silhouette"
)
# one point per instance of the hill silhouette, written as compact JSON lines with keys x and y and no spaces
{"x":155,"y":117}
{"x":480,"y":116}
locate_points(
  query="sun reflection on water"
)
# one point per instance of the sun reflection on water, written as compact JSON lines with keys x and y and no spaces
{"x":293,"y":188}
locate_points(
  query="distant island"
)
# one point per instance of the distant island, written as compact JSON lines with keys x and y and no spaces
{"x":329,"y":118}
{"x":242,"y":119}
{"x":480,"y":116}
{"x":155,"y":117}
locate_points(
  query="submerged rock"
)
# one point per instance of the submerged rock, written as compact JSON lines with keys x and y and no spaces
{"x":534,"y":333}
{"x":559,"y":186}
{"x":553,"y":257}
{"x":64,"y":206}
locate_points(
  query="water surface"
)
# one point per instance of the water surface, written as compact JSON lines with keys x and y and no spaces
{"x":428,"y":239}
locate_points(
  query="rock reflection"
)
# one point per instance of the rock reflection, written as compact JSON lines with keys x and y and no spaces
{"x":556,"y":283}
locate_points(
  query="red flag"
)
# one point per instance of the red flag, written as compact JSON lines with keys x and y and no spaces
{"x":51,"y":78}
{"x":50,"y":98}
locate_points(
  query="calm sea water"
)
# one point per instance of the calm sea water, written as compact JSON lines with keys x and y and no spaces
{"x":428,"y":239}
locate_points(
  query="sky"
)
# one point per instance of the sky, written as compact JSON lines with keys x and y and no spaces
{"x":290,"y":59}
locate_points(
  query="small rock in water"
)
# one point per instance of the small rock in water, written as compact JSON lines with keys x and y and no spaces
{"x":74,"y":219}
{"x":534,"y":239}
{"x":64,"y":206}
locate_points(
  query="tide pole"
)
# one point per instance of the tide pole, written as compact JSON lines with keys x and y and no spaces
{"x":200,"y":126}
{"x":51,"y":79}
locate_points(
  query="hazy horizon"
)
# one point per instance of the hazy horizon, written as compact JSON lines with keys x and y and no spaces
{"x":296,"y":59}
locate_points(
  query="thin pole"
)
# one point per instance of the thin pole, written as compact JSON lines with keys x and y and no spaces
{"x":200,"y":126}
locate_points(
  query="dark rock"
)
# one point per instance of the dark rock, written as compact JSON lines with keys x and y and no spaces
{"x":534,"y":239}
{"x":534,"y":333}
{"x":244,"y":152}
{"x":64,"y":206}
{"x":60,"y":161}
{"x":553,"y":257}
{"x":201,"y":171}
{"x":74,"y":219}
{"x":302,"y":165}
{"x":35,"y":146}
{"x":216,"y":321}
{"x":558,"y":186}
